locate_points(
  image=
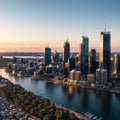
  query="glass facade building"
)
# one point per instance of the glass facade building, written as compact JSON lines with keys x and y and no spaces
{"x":85,"y":41}
{"x":66,"y":52}
{"x":82,"y":58}
{"x":92,"y":61}
{"x":71,"y":63}
{"x":47,"y":56}
{"x":105,"y":52}
{"x":116,"y":65}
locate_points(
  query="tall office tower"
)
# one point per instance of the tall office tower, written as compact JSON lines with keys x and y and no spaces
{"x":116,"y":65}
{"x":105,"y":52}
{"x":71,"y":63}
{"x":56,"y":57}
{"x":47,"y":56}
{"x":82,"y":58}
{"x":66,"y":52}
{"x":92,"y":63}
{"x":85,"y":41}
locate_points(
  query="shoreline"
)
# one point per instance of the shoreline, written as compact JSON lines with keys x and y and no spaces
{"x":78,"y":115}
{"x":85,"y":87}
{"x":81,"y":116}
{"x":50,"y":79}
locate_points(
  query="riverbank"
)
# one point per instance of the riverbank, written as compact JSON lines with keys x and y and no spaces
{"x":49,"y":79}
{"x":75,"y":98}
{"x":54,"y":80}
{"x":80,"y":116}
{"x":86,"y":87}
{"x":17,"y":95}
{"x":41,"y":78}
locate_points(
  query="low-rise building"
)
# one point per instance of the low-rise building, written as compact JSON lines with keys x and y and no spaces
{"x":74,"y":75}
{"x":91,"y":78}
{"x":101,"y":76}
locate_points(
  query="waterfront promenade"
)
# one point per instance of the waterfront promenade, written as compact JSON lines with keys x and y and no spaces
{"x":81,"y":117}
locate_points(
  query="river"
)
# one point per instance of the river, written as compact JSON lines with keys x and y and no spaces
{"x":98,"y":103}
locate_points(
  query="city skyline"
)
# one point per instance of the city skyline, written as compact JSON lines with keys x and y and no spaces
{"x":27,"y":26}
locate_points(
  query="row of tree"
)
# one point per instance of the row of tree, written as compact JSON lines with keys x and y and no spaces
{"x":33,"y":104}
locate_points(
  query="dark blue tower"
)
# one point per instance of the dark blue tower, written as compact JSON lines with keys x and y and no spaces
{"x":66,"y":52}
{"x":47,"y":56}
{"x":85,"y":41}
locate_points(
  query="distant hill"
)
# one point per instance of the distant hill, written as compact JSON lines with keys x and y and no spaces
{"x":21,"y":53}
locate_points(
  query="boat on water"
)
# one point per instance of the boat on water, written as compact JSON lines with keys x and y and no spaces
{"x":91,"y":116}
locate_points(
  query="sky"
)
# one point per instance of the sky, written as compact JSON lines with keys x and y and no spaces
{"x":32,"y":25}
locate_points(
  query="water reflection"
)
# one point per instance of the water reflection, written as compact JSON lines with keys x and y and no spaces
{"x":117,"y":96}
{"x":104,"y":101}
{"x":100,"y":103}
{"x":79,"y":90}
{"x":69,"y":91}
{"x":49,"y":87}
{"x":85,"y":99}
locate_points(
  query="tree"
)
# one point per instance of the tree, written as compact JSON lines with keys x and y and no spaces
{"x":50,"y":116}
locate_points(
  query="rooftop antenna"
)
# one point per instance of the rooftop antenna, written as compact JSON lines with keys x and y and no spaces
{"x":105,"y":27}
{"x":83,"y":32}
{"x":67,"y":39}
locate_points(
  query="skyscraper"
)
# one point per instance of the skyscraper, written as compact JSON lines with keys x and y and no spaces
{"x":55,"y":56}
{"x":116,"y":65}
{"x":71,"y":63}
{"x":47,"y":56}
{"x":92,"y":61}
{"x":85,"y":41}
{"x":82,"y":58}
{"x":105,"y":52}
{"x":66,"y":52}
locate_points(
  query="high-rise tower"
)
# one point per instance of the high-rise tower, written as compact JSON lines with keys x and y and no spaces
{"x":105,"y":52}
{"x":85,"y":41}
{"x":66,"y":52}
{"x":82,"y":58}
{"x":116,"y":65}
{"x":47,"y":56}
{"x":92,"y":61}
{"x":71,"y":63}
